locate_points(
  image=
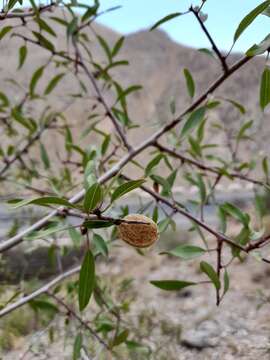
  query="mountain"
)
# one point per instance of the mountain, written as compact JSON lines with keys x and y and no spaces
{"x":155,"y":62}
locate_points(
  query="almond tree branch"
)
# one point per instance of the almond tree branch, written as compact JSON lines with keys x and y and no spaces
{"x":134,"y":152}
{"x":101,"y":97}
{"x":25,"y":14}
{"x":44,"y":289}
{"x":211,"y":40}
{"x":24,"y":149}
{"x":201,"y":166}
{"x":80,"y":320}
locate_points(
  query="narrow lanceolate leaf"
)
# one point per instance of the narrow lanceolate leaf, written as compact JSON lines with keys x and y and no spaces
{"x":77,"y":347}
{"x":53,"y":83}
{"x":86,"y":280}
{"x":44,"y":201}
{"x":171,"y":285}
{"x":117,"y":46}
{"x":194,"y":120}
{"x":11,"y":4}
{"x":93,"y":197}
{"x":186,"y":252}
{"x":44,"y":42}
{"x":238,"y":106}
{"x":100,"y":245}
{"x":211,"y":273}
{"x":190,"y":83}
{"x":35,"y":78}
{"x":22,"y":55}
{"x":97,"y":224}
{"x":126,"y":188}
{"x":4,"y":31}
{"x":226,"y":280}
{"x":236,"y":213}
{"x":165,"y":19}
{"x":120,"y":338}
{"x":265,"y":88}
{"x":152,"y":164}
{"x":260,"y":48}
{"x":250,"y":18}
{"x":44,"y":156}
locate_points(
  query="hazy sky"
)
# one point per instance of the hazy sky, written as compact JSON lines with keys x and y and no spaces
{"x":223,"y":19}
{"x":224,"y":16}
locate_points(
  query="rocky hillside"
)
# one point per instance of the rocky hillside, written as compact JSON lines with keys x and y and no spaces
{"x":157,"y":63}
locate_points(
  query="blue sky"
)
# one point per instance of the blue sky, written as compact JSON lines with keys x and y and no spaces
{"x":224,"y":17}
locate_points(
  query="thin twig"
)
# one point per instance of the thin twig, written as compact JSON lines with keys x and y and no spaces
{"x":204,"y":167}
{"x":211,"y":40}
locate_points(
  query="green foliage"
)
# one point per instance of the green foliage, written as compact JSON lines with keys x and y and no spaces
{"x":86,"y":280}
{"x":75,"y":166}
{"x":165,"y":19}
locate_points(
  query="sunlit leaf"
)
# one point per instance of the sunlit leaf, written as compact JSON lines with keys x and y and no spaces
{"x":250,"y":18}
{"x":126,"y":188}
{"x":165,"y":19}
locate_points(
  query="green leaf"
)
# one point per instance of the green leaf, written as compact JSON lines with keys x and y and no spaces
{"x":190,"y":83}
{"x":236,"y":213}
{"x":186,"y":252}
{"x":100,"y":245}
{"x":43,"y":234}
{"x":4,"y":31}
{"x":4,"y":100}
{"x":53,"y":83}
{"x":120,"y":338}
{"x":44,"y":156}
{"x":171,"y":285}
{"x":93,"y":197}
{"x":97,"y":224}
{"x":35,"y":78}
{"x":105,"y":47}
{"x":44,"y":42}
{"x":22,"y":55}
{"x":242,"y":239}
{"x":152,"y":164}
{"x":126,"y":188}
{"x":226,"y":280}
{"x":163,"y":224}
{"x":44,"y":201}
{"x":238,"y":106}
{"x":241,"y":134}
{"x":105,"y":144}
{"x":17,"y":115}
{"x":265,"y":167}
{"x":261,"y":48}
{"x":43,"y":305}
{"x":211,"y":273}
{"x":265,"y":88}
{"x":165,"y":19}
{"x":91,"y":11}
{"x":250,"y":18}
{"x":11,"y":4}
{"x":124,"y":93}
{"x":77,"y":347}
{"x":86,"y":280}
{"x":117,"y":46}
{"x":44,"y":26}
{"x":194,"y":119}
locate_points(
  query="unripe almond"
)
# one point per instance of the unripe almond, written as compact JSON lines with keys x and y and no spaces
{"x":140,"y":235}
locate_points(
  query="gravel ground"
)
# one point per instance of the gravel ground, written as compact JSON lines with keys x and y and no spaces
{"x":237,"y":329}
